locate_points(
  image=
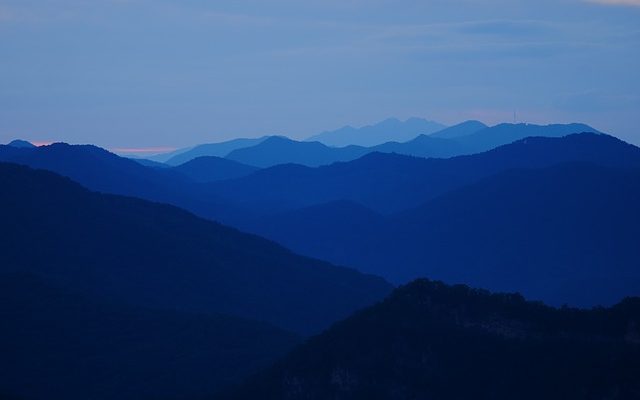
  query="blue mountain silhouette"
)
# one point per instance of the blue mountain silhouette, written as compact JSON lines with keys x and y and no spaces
{"x":489,"y":138}
{"x":405,"y":245}
{"x":462,"y":129}
{"x":453,"y":142}
{"x":221,"y":149}
{"x":156,"y":255}
{"x":564,"y":234}
{"x":388,"y":183}
{"x":280,"y":150}
{"x":211,"y":169}
{"x":102,"y":171}
{"x":391,"y":129}
{"x":20,"y":143}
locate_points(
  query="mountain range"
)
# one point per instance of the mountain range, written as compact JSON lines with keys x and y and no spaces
{"x":389,"y":183}
{"x":343,"y":212}
{"x":118,"y":278}
{"x":466,"y":138}
{"x":514,"y":208}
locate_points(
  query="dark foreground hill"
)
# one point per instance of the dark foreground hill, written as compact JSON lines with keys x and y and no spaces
{"x":432,"y":341}
{"x":160,"y":256}
{"x":57,"y":345}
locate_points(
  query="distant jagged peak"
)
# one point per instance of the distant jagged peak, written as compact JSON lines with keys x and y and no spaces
{"x":390,"y":129}
{"x":462,"y":129}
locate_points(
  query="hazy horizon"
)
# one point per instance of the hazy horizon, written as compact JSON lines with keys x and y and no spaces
{"x":150,"y":151}
{"x":139,"y":74}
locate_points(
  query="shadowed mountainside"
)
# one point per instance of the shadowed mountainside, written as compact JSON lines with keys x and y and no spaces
{"x":58,"y":345}
{"x":429,"y":340}
{"x":386,"y":184}
{"x":159,"y":256}
{"x":565,"y":234}
{"x":211,"y":169}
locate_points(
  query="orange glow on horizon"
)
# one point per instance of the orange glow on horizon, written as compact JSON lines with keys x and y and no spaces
{"x":40,"y":143}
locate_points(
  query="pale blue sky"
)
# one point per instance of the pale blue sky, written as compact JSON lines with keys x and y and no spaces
{"x":138,"y":73}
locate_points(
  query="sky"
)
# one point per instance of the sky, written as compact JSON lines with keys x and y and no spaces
{"x":151,"y":75}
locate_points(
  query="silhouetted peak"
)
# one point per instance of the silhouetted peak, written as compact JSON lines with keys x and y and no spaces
{"x":465,"y":128}
{"x":81,"y":152}
{"x":80,"y":147}
{"x":390,"y":129}
{"x":575,"y":126}
{"x":574,"y":138}
{"x":277,"y":139}
{"x":21,"y":144}
{"x":472,"y":123}
{"x":429,"y":292}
